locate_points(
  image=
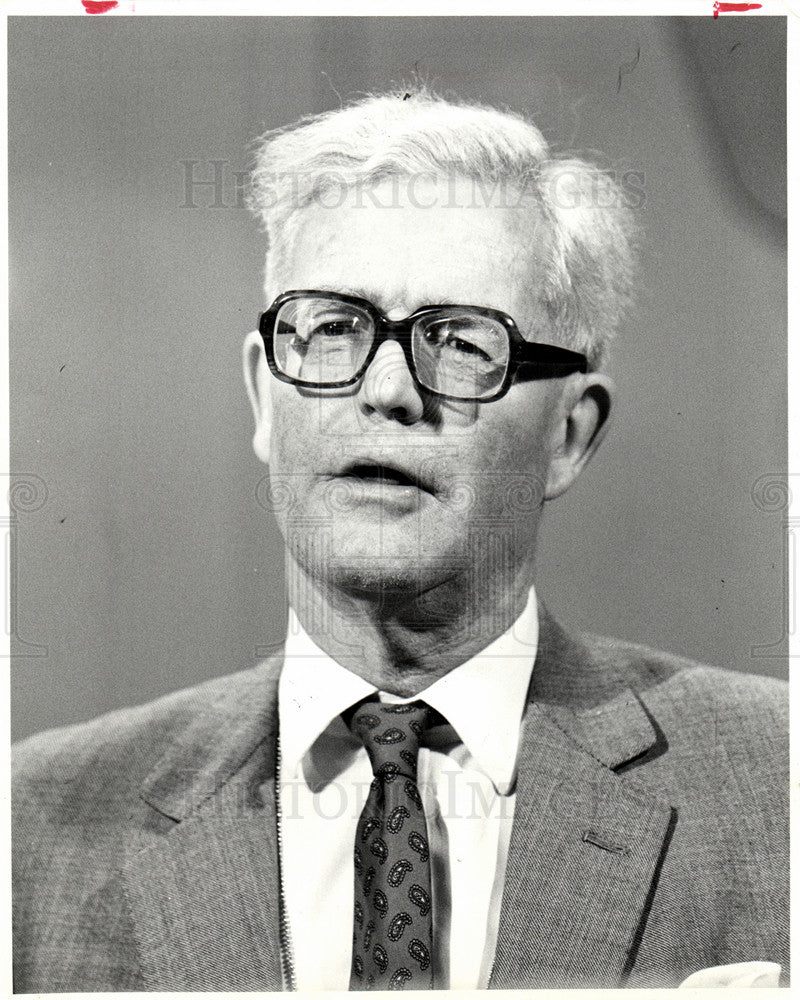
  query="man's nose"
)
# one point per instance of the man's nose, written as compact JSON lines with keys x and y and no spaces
{"x":388,"y":387}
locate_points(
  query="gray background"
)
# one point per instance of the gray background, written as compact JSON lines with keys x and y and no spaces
{"x":144,"y":559}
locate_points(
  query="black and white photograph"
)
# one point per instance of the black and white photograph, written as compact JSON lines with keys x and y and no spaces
{"x":398,"y":527}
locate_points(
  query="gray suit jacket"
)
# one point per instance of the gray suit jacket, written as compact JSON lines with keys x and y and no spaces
{"x":649,"y":837}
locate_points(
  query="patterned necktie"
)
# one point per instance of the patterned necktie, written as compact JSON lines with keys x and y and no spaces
{"x":393,"y":923}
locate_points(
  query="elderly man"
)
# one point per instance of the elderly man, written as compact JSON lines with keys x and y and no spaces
{"x":434,"y":786}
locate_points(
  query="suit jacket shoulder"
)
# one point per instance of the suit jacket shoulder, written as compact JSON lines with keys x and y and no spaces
{"x":83,"y":762}
{"x":678,"y":773}
{"x":78,"y":806}
{"x":701,"y":711}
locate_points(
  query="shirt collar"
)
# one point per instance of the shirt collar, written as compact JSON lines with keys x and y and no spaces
{"x":483,"y":699}
{"x":312,"y":691}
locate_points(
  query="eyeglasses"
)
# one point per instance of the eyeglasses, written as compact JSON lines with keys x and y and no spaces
{"x":324,"y":340}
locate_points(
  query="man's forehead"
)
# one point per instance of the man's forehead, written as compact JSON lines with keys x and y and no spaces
{"x":403,"y":257}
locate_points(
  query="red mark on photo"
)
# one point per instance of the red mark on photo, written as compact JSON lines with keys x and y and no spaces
{"x":736,"y":8}
{"x":98,"y":6}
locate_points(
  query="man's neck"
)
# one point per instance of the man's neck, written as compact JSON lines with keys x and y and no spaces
{"x":401,"y":641}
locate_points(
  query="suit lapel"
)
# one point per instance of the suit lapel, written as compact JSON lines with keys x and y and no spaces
{"x":586,"y":845}
{"x":202,"y":879}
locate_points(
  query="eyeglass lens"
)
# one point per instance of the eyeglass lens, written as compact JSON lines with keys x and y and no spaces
{"x":455,"y":351}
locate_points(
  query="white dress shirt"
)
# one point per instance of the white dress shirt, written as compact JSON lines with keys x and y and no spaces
{"x":467,"y":777}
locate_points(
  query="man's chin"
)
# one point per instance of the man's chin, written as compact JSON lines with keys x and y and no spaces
{"x":366,"y":559}
{"x":375,"y":575}
{"x":377,"y":578}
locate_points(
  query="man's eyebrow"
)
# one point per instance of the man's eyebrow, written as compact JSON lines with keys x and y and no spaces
{"x":361,"y":293}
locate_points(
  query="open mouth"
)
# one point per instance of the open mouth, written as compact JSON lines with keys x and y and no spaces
{"x":382,"y":475}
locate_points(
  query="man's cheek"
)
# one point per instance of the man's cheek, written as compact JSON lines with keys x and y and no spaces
{"x":290,"y":443}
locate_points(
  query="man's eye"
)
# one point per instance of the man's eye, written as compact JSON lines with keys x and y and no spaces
{"x":332,"y":328}
{"x":458,"y":345}
{"x":466,"y":347}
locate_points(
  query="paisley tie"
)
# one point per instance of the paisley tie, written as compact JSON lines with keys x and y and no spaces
{"x":393,"y":922}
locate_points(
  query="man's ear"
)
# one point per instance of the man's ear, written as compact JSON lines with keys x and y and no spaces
{"x":586,"y":406}
{"x":258,"y":382}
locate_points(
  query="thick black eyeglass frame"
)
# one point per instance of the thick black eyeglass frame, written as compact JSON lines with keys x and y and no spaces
{"x":545,"y":360}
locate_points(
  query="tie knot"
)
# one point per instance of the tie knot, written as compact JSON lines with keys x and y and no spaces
{"x":391,"y":735}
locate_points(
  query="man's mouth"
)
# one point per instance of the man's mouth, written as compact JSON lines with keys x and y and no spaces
{"x":378,"y":474}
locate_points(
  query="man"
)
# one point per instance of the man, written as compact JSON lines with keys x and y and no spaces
{"x":434,"y":786}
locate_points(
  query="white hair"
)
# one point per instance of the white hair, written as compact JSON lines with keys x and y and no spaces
{"x":584,"y":246}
